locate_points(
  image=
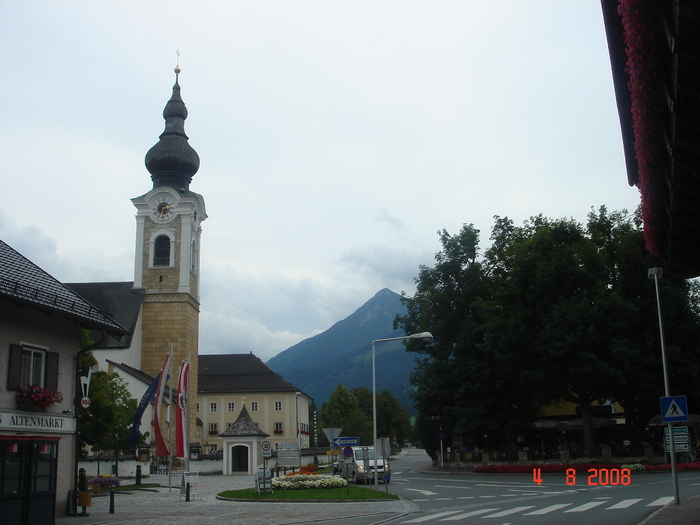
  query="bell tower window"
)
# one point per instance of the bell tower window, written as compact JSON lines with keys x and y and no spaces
{"x":161,"y":251}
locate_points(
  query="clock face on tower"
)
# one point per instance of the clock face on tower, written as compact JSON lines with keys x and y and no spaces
{"x":163,"y":209}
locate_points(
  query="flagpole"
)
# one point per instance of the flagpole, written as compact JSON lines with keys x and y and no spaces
{"x":170,"y":425}
{"x":186,"y":408}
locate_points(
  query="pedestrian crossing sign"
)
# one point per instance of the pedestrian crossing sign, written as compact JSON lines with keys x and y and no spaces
{"x":674,"y":408}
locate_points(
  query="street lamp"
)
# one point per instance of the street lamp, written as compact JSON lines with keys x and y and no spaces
{"x":421,"y":335}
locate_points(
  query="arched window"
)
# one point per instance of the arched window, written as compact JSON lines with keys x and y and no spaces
{"x":161,"y":251}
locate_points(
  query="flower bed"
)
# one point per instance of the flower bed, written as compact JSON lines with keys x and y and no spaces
{"x":305,"y":481}
{"x":307,"y":470}
{"x":667,"y":466}
{"x":544,"y":469}
{"x":105,"y":480}
{"x":579,"y":467}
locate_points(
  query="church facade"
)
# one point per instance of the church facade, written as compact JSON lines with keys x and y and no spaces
{"x":161,"y":306}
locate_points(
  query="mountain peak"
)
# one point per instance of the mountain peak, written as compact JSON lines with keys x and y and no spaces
{"x":342,"y":353}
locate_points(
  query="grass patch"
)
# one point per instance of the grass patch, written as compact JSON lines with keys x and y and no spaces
{"x":355,"y":493}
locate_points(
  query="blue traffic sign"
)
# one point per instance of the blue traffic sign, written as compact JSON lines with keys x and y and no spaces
{"x":346,"y":441}
{"x":674,"y":408}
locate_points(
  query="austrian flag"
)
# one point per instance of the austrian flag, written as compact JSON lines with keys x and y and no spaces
{"x":180,"y":419}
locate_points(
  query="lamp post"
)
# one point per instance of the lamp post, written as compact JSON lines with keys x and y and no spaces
{"x":421,"y":335}
{"x":655,"y":273}
{"x":296,"y":409}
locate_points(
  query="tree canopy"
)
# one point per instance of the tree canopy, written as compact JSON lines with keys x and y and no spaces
{"x":352,"y":411}
{"x":554,"y":311}
{"x":106,"y":424}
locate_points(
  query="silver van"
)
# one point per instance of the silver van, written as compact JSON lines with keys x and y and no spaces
{"x":360,"y":467}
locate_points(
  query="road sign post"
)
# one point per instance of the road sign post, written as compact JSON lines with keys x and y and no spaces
{"x":346,"y":442}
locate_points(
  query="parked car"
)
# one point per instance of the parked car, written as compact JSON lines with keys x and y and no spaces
{"x":360,"y":467}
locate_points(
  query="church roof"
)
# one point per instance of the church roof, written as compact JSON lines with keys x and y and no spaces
{"x":238,"y":373}
{"x":172,"y":161}
{"x":118,"y":299}
{"x":24,"y":282}
{"x":243,"y":426}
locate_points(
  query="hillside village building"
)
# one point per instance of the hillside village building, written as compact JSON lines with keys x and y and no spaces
{"x":40,"y":332}
{"x":230,"y":381}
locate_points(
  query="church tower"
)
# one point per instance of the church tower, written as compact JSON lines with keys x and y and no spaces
{"x":168,"y":232}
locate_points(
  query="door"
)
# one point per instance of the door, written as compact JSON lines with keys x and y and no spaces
{"x":28,"y":480}
{"x":239,"y":459}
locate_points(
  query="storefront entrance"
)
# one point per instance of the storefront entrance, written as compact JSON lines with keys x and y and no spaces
{"x":28,"y":479}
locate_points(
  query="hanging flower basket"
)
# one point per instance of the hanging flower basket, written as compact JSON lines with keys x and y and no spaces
{"x":35,"y":398}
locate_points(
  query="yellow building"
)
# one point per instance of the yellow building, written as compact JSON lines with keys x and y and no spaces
{"x":228,"y":381}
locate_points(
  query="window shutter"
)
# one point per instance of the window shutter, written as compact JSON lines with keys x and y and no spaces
{"x":14,"y":373}
{"x":51,"y":373}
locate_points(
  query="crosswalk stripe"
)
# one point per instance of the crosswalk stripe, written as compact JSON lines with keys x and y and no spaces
{"x":468,"y":514}
{"x":549,"y":509}
{"x":509,"y":512}
{"x":586,"y":506}
{"x":661,"y":501}
{"x":431,"y":517}
{"x":625,"y":503}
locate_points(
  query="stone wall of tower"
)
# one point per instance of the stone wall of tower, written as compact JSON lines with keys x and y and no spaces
{"x":169,"y":318}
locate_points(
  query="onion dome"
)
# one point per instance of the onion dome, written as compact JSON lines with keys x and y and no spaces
{"x":172,"y":161}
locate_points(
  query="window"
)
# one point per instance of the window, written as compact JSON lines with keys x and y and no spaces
{"x":231,"y":406}
{"x":213,"y":428}
{"x":161,"y":251}
{"x":213,"y":408}
{"x":197,"y":408}
{"x":193,"y":258}
{"x":278,"y":406}
{"x":253,"y":406}
{"x":278,"y":428}
{"x":32,"y":365}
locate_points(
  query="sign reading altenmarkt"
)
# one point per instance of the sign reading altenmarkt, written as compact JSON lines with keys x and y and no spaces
{"x":36,"y":422}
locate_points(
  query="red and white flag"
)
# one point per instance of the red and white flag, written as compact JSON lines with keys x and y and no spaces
{"x":161,"y":447}
{"x":180,"y":420}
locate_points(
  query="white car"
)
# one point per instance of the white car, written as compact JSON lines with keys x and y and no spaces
{"x":360,"y":467}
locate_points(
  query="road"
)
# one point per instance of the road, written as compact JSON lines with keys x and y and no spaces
{"x":515,"y":498}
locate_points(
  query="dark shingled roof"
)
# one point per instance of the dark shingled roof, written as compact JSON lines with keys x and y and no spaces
{"x":243,"y":426}
{"x":238,"y":373}
{"x":120,"y":300}
{"x":24,"y":282}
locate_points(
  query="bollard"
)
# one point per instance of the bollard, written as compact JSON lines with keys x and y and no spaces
{"x":111,"y":501}
{"x":138,"y":474}
{"x":82,"y":480}
{"x":187,"y":492}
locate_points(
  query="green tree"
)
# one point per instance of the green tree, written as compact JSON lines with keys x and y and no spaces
{"x":458,"y":381}
{"x":106,"y":424}
{"x":342,"y":410}
{"x":554,"y":311}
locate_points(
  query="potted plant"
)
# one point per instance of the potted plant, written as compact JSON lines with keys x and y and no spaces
{"x":103,"y":480}
{"x":35,"y":397}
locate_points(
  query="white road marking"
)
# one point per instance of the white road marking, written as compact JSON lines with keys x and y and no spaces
{"x":585,"y":506}
{"x":508,"y":512}
{"x":468,"y":514}
{"x":549,"y":509}
{"x":661,"y":501}
{"x":625,"y":503}
{"x":431,"y":516}
{"x":425,"y":492}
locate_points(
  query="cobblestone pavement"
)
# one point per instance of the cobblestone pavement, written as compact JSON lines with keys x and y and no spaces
{"x":161,"y":505}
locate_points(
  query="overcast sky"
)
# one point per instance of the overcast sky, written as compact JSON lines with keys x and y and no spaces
{"x":336,"y":138}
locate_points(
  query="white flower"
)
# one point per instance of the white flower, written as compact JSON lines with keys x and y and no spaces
{"x":303,"y":481}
